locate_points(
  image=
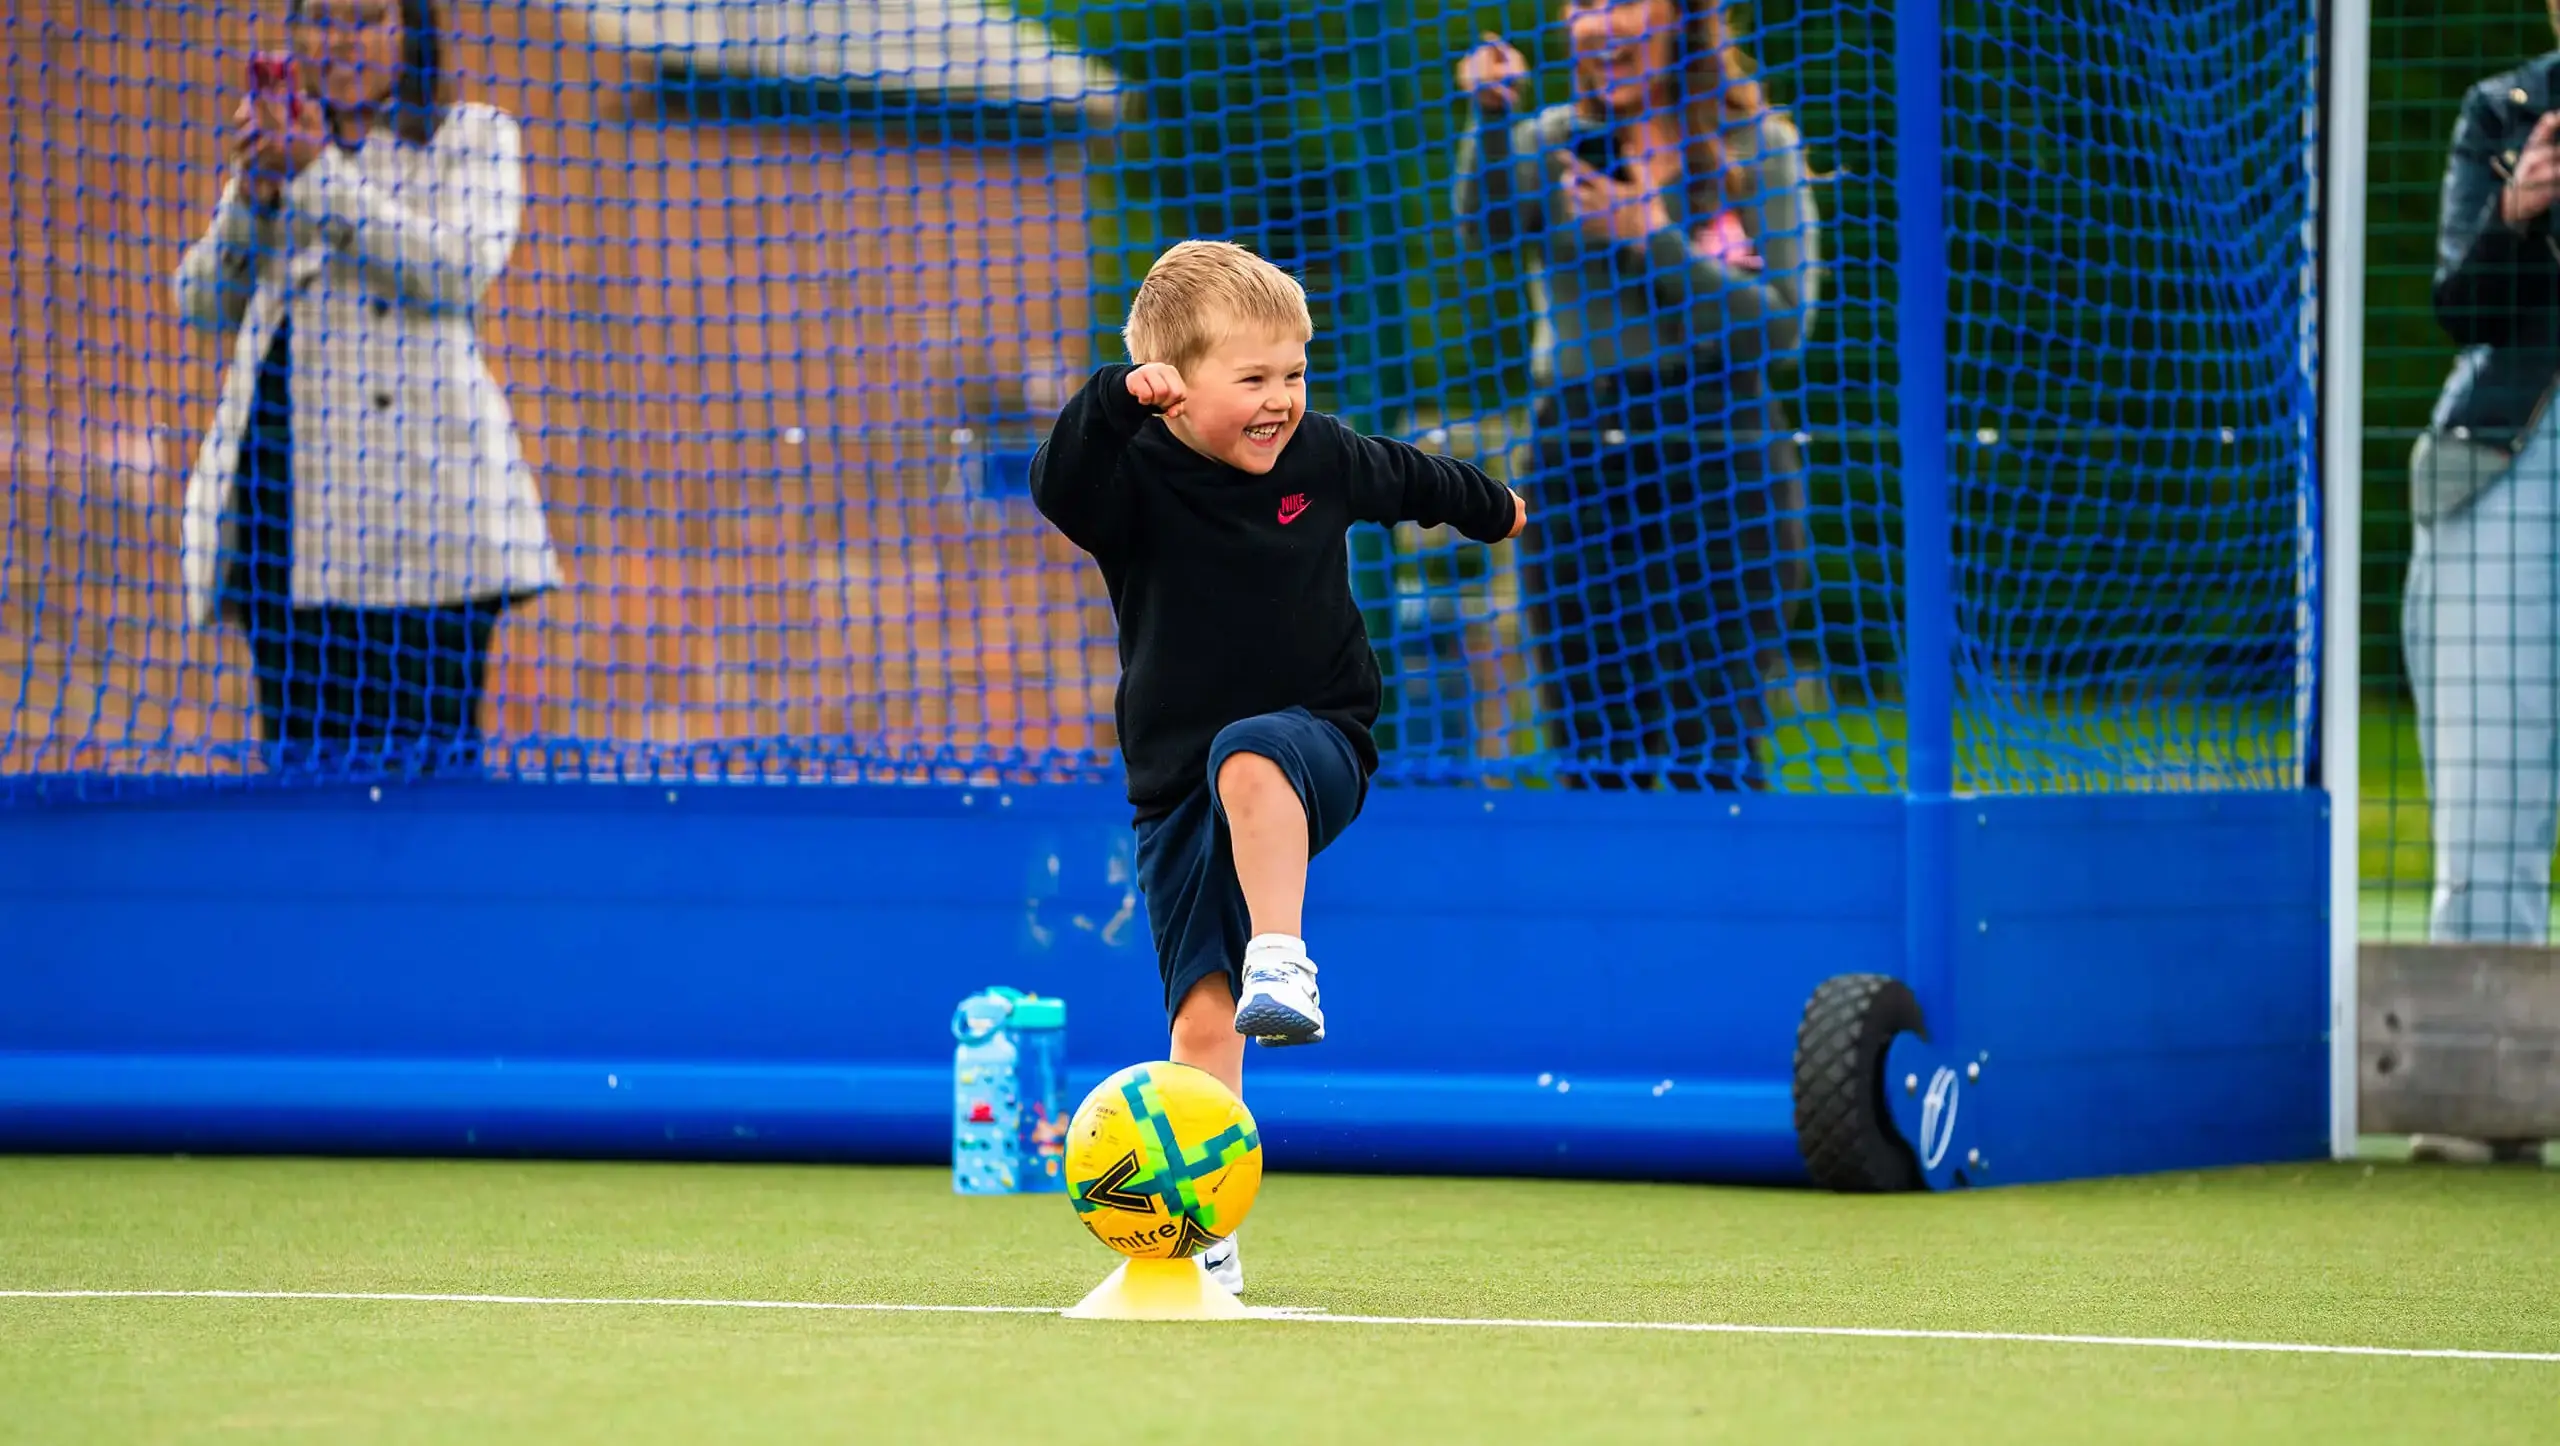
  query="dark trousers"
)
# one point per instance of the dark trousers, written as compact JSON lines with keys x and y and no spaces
{"x":1666,"y":545}
{"x":343,"y":687}
{"x":398,"y":688}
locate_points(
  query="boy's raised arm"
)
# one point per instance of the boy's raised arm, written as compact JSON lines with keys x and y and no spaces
{"x":1075,"y":476}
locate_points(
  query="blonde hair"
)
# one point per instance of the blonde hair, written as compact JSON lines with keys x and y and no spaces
{"x":1718,"y":93}
{"x":1200,"y":292}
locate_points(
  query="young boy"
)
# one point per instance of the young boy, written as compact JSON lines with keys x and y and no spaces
{"x":1216,"y":505}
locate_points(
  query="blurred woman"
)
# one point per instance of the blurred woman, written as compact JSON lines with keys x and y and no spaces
{"x":2481,"y":615}
{"x":361,"y":505}
{"x":1667,"y":233}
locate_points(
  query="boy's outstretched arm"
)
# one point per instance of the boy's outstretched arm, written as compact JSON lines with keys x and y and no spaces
{"x":1075,"y":476}
{"x":1394,"y":482}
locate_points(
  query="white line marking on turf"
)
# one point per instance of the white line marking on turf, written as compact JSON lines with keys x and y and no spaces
{"x":1317,"y":1316}
{"x":2171,"y":1343}
{"x":445,"y":1299}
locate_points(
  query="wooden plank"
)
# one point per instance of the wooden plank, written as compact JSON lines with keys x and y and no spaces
{"x":2459,"y":1039}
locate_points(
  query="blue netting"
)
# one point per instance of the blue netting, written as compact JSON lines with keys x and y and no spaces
{"x":2135,"y":383}
{"x":745,"y":410}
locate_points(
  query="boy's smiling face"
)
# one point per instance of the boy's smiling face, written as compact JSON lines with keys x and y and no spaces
{"x":1242,"y":401}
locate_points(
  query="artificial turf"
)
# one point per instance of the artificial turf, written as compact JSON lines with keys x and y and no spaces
{"x":2370,"y":1254}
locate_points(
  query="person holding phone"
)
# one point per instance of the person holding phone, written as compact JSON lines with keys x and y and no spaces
{"x":361,"y":505}
{"x":1665,"y":226}
{"x":2480,"y":622}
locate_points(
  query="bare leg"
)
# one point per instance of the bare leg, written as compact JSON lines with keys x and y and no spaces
{"x":1204,"y":1036}
{"x":1204,"y":1032}
{"x":1268,"y":828}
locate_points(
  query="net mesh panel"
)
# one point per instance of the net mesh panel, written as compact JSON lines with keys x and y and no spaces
{"x":2134,"y":383}
{"x":2425,"y":57}
{"x":797,"y":288}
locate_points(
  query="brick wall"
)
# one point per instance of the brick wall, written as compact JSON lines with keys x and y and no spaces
{"x":735,"y":352}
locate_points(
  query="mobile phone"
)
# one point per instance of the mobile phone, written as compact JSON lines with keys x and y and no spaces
{"x":274,"y":71}
{"x":277,"y":75}
{"x":1598,"y":149}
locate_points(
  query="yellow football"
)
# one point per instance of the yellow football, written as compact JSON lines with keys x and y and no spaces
{"x":1162,"y":1161}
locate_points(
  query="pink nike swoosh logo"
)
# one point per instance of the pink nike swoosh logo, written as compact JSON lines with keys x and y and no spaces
{"x":1292,"y":508}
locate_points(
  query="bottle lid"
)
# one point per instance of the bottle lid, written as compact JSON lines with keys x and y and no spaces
{"x":1033,"y":1012}
{"x":981,"y":1015}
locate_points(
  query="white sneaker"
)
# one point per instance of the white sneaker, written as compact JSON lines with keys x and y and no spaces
{"x":1279,"y":1004}
{"x":1225,"y":1265}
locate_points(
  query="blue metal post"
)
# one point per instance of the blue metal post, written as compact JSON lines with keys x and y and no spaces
{"x":1928,"y":593}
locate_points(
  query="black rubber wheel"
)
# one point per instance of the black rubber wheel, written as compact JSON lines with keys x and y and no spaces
{"x":1843,"y":1128}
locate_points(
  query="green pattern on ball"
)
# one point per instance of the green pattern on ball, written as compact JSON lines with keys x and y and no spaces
{"x":1168,"y":1174}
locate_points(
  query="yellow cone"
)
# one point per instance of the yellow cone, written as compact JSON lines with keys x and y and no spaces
{"x":1159,"y":1290}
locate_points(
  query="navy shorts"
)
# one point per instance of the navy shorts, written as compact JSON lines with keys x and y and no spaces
{"x":1187,"y":867}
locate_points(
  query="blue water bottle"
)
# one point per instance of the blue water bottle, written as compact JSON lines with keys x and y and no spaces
{"x":986,"y":1114}
{"x":1039,"y":1030}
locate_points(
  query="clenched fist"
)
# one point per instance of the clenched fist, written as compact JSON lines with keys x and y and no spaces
{"x":1491,"y":75}
{"x":1159,"y":386}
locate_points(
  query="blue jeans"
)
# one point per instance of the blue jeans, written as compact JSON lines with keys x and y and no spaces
{"x":2481,"y":630}
{"x":1665,"y":553}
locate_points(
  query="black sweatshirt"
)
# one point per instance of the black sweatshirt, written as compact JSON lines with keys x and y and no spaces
{"x":1233,"y":591}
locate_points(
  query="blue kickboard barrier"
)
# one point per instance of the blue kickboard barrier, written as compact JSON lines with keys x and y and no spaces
{"x":1516,"y":982}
